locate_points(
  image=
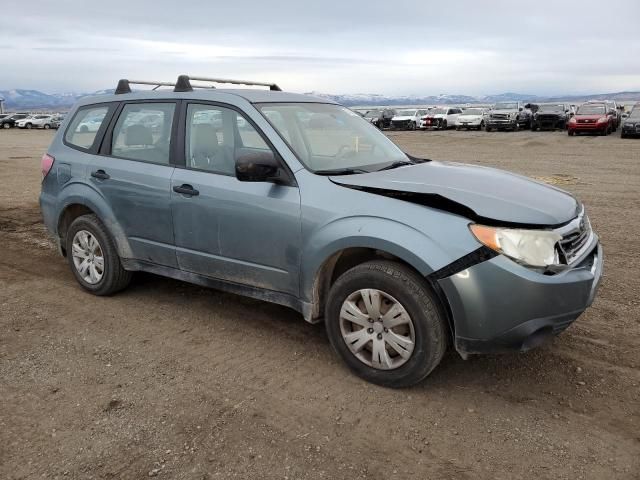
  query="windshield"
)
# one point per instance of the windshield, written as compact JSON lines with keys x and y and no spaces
{"x":635,"y":113}
{"x":551,"y":108}
{"x":591,"y":110}
{"x":472,"y":111}
{"x":331,"y":137}
{"x":437,"y":111}
{"x":406,"y":113}
{"x":373,"y":114}
{"x":505,"y":106}
{"x":41,"y":116}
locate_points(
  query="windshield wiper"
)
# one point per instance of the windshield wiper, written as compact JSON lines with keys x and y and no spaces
{"x":342,"y":171}
{"x":399,"y":163}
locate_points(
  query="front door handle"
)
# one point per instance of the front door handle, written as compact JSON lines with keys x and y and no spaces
{"x":101,"y":174}
{"x":185,"y":189}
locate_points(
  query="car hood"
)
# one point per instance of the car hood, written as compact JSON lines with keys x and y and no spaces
{"x":589,"y":117}
{"x":403,"y":117}
{"x":469,"y":117}
{"x":482,"y":194}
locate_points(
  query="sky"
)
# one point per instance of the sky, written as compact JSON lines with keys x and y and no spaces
{"x":331,"y":46}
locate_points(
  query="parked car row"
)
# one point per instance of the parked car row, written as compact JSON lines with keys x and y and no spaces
{"x":29,"y":121}
{"x":600,"y":117}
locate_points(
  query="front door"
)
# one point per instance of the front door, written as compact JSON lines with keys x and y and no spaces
{"x":243,"y":232}
{"x":133,"y":173}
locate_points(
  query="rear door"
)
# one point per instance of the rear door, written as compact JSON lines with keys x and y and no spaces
{"x":133,"y":173}
{"x":243,"y":232}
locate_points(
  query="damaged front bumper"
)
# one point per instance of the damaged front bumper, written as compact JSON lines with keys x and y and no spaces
{"x":498,"y":305}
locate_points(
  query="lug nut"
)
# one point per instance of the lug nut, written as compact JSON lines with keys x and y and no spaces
{"x":379,"y":336}
{"x":370,"y":330}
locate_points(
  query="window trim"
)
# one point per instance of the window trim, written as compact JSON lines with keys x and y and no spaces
{"x":181,"y":158}
{"x":98,"y":139}
{"x":106,"y":145}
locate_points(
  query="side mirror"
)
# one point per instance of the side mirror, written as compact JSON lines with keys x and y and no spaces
{"x":257,"y":166}
{"x":625,"y":115}
{"x":520,"y":109}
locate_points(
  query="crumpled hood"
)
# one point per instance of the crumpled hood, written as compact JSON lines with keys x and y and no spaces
{"x":403,"y":117}
{"x":480,"y":193}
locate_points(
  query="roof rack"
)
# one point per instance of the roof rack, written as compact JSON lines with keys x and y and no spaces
{"x":183,"y":84}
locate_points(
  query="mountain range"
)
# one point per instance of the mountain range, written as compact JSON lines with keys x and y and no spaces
{"x":21,"y":99}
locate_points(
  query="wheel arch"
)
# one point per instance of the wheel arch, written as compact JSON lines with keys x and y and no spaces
{"x":321,"y":269}
{"x":81,"y":200}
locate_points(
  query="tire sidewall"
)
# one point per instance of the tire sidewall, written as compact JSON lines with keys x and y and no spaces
{"x":424,"y":313}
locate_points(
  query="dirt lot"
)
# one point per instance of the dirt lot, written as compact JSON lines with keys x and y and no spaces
{"x":177,"y":381}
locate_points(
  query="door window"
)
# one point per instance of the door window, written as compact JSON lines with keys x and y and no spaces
{"x":216,"y":135}
{"x":143,"y":132}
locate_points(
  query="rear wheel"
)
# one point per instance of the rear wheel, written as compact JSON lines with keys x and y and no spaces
{"x":412,"y":125}
{"x":93,"y":257}
{"x":570,"y":133}
{"x":384,"y":322}
{"x":47,"y":126}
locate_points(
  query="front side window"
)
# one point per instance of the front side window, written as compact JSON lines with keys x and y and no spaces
{"x":83,"y":129}
{"x":330,"y":137}
{"x":215,"y":136}
{"x":143,"y":132}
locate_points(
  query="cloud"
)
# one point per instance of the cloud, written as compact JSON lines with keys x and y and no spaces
{"x":400,"y":47}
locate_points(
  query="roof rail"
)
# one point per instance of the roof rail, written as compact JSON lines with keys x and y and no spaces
{"x":184,"y":83}
{"x":124,"y":85}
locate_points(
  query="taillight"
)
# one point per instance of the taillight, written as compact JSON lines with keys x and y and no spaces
{"x":46,"y":163}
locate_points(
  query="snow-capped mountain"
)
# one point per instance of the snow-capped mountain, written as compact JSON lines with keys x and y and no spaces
{"x":21,"y":99}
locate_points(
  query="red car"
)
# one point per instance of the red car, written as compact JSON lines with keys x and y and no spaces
{"x":591,"y":118}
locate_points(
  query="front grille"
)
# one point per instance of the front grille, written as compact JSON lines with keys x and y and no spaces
{"x":400,"y":123}
{"x":575,"y":236}
{"x":500,"y":116}
{"x":586,"y":121}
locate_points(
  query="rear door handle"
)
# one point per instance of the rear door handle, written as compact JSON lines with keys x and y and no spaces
{"x":101,"y":174}
{"x":185,"y":189}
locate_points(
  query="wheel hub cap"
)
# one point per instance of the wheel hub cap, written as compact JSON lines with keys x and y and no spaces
{"x":87,"y":257}
{"x":377,"y":329}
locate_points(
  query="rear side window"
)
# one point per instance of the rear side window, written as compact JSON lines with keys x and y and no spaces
{"x":143,"y":132}
{"x":83,"y":129}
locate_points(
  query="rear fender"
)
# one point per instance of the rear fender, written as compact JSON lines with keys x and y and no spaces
{"x":82,"y":194}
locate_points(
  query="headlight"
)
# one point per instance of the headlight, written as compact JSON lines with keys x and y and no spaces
{"x":535,"y":248}
{"x":603,"y":120}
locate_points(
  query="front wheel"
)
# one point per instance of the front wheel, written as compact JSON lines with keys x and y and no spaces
{"x":443,"y":125}
{"x":6,"y":126}
{"x":412,"y":125}
{"x":384,"y":322}
{"x":47,"y":126}
{"x":93,"y":257}
{"x":29,"y":126}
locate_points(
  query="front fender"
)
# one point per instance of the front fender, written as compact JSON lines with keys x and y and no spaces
{"x":78,"y":193}
{"x":393,"y":237}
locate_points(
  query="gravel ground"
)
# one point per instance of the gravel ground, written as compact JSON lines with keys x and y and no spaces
{"x":176,"y":381}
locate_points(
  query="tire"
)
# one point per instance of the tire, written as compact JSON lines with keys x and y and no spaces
{"x":412,"y":125}
{"x":47,"y":126}
{"x":458,"y":128}
{"x":533,"y":127}
{"x":622,"y":135}
{"x":481,"y":126}
{"x":114,"y":278}
{"x":28,"y":126}
{"x":571,"y":133}
{"x":6,"y":126}
{"x":443,"y":125}
{"x":426,"y":323}
{"x":487,"y":128}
